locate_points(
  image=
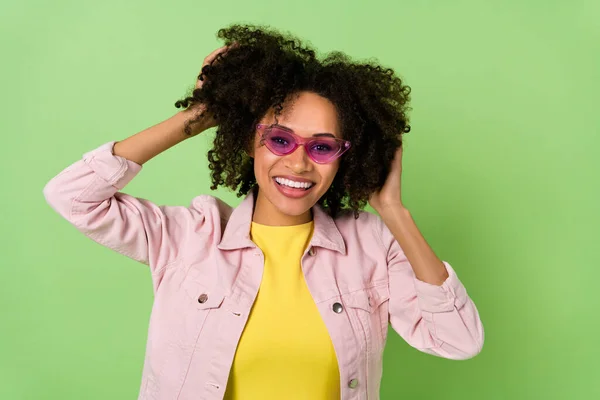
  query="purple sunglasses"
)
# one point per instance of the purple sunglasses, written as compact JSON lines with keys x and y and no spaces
{"x":282,"y":141}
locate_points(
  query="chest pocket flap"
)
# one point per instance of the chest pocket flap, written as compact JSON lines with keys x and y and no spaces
{"x":201,"y":296}
{"x":368,"y":299}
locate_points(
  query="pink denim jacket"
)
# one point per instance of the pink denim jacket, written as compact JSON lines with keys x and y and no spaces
{"x":206,"y":272}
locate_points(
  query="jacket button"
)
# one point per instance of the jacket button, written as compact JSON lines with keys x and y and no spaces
{"x":337,"y":308}
{"x":353,"y":383}
{"x":202,"y":298}
{"x":311,"y":251}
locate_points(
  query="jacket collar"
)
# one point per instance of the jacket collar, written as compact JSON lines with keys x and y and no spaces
{"x":237,"y":232}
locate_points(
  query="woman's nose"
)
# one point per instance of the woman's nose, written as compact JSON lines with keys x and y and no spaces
{"x":298,"y":161}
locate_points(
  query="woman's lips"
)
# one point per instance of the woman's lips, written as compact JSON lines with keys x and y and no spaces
{"x":294,"y":193}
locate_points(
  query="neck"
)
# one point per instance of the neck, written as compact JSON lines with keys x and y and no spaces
{"x":265,"y":213}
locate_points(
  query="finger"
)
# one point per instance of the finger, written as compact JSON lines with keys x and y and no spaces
{"x":209,"y":58}
{"x":220,"y":50}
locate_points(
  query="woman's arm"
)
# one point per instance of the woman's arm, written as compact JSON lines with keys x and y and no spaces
{"x":426,"y":265}
{"x":152,"y":141}
{"x":436,"y":317}
{"x":87,"y":194}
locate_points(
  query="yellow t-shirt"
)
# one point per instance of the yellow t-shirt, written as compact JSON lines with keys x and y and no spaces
{"x":285,"y":351}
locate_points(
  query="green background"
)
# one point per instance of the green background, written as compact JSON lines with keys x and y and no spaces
{"x":500,"y":173}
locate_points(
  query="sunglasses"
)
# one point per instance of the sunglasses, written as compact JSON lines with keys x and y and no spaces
{"x":282,"y":141}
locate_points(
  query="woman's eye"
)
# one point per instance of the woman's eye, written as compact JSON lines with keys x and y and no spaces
{"x":322,"y":147}
{"x":279,"y":140}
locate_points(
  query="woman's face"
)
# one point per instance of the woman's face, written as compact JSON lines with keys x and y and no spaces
{"x":277,"y":203}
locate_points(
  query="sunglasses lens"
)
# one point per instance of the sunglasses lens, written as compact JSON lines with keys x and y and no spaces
{"x":279,"y":141}
{"x":323,"y":150}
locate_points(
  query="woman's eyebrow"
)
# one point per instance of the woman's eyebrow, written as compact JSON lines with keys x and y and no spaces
{"x":324,"y":134}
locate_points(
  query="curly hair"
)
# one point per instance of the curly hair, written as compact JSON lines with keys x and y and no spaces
{"x":265,"y":68}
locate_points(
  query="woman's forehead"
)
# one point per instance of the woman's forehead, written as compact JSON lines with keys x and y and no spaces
{"x":308,"y":114}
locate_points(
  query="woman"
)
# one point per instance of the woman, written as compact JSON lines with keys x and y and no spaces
{"x":288,"y":295}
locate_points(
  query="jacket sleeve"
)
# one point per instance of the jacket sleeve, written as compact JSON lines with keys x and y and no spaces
{"x":87,"y":195}
{"x":439,"y":320}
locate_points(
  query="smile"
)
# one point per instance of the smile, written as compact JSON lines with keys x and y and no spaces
{"x":294,"y":184}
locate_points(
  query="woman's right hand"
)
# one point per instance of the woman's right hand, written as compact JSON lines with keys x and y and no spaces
{"x":207,"y":121}
{"x":209,"y":59}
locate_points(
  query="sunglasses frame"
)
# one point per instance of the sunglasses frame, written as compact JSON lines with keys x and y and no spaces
{"x":300,"y":141}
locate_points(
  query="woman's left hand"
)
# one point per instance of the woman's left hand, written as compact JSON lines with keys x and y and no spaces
{"x":390,"y":194}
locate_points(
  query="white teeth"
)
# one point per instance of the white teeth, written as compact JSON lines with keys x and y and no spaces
{"x":293,"y":184}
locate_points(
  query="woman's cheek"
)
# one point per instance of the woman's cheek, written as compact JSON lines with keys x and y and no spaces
{"x":328,"y":174}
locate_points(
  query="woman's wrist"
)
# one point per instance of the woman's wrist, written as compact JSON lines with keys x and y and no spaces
{"x":200,"y":124}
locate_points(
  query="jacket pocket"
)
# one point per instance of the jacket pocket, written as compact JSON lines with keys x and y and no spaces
{"x":181,"y":318}
{"x":369,"y":310}
{"x":200,"y":311}
{"x":201,"y":296}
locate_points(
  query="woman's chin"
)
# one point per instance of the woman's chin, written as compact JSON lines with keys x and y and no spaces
{"x":298,"y":210}
{"x":287,"y":210}
{"x":294,"y":210}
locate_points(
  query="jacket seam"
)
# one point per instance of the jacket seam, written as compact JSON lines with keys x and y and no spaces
{"x":120,"y":173}
{"x":76,"y":199}
{"x":371,"y":286}
{"x":92,"y":234}
{"x":167,"y":265}
{"x":378,"y":234}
